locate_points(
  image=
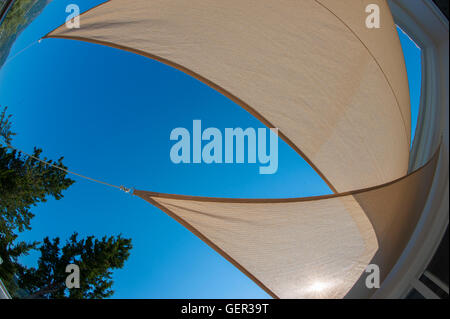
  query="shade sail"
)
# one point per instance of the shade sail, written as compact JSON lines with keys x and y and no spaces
{"x":336,"y":90}
{"x":308,"y":247}
{"x":338,"y":93}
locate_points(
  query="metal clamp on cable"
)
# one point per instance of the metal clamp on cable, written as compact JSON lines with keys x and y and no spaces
{"x":125,"y":189}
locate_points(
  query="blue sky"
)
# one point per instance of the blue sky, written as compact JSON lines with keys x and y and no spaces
{"x":110,"y":114}
{"x":413,"y":58}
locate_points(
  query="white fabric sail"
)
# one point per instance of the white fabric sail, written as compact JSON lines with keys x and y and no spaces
{"x":315,"y":247}
{"x":336,"y":90}
{"x":338,"y":93}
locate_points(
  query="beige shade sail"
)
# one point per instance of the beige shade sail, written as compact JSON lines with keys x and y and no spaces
{"x":315,"y":247}
{"x":336,"y":90}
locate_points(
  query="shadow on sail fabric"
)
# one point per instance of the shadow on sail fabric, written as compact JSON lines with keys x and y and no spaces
{"x":336,"y":90}
{"x":316,"y":247}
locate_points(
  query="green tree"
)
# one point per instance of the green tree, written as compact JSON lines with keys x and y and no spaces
{"x":10,"y":253}
{"x":25,"y":182}
{"x":95,"y":258}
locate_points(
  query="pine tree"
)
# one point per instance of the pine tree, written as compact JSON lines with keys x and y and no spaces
{"x":10,"y":252}
{"x":24,"y":183}
{"x":95,"y":258}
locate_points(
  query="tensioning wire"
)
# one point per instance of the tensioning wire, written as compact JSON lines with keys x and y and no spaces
{"x":122,"y":188}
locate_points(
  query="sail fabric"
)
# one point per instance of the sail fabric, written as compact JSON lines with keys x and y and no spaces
{"x":338,"y":93}
{"x":289,"y":247}
{"x":336,"y":90}
{"x":315,"y":247}
{"x":383,"y":45}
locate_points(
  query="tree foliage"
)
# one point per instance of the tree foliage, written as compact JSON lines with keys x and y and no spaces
{"x":10,"y":252}
{"x":24,"y":183}
{"x":95,"y":258}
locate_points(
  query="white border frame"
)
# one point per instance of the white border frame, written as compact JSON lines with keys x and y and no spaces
{"x":428,"y":27}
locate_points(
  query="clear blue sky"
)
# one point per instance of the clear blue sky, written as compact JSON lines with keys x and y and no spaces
{"x":110,"y":113}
